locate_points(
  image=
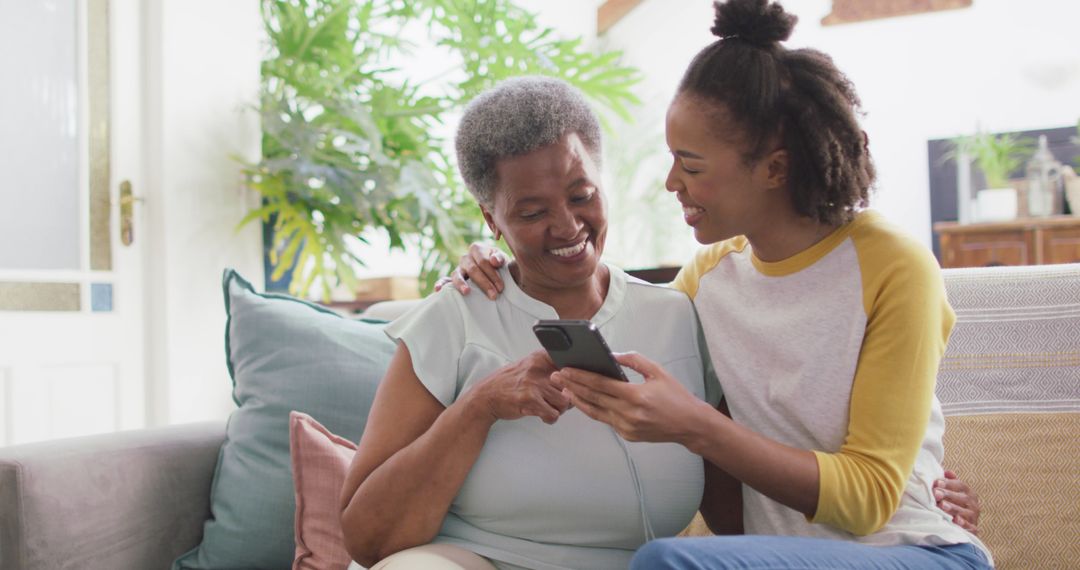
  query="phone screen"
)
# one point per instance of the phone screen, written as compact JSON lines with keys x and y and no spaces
{"x":578,"y":344}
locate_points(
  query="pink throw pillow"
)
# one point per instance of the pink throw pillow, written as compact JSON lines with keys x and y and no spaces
{"x":320,"y":460}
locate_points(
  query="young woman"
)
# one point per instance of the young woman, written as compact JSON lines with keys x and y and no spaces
{"x":825,"y":324}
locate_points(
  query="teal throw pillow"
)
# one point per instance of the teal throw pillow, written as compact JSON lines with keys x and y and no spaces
{"x":283,"y":354}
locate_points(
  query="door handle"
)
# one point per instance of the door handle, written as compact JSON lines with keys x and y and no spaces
{"x":127,"y":213}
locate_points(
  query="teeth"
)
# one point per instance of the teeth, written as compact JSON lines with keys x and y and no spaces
{"x":570,"y":251}
{"x":691,"y":210}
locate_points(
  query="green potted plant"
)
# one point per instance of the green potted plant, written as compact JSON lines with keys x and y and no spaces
{"x":349,"y":138}
{"x":997,"y":156}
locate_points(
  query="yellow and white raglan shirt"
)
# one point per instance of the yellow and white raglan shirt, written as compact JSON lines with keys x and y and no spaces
{"x":836,"y":350}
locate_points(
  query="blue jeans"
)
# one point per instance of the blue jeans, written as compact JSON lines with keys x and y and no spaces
{"x":759,"y":552}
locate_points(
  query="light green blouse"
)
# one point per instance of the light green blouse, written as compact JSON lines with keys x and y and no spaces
{"x":572,"y":494}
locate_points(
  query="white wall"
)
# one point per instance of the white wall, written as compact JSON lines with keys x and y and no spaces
{"x":570,"y":18}
{"x":1001,"y":64}
{"x":201,"y":70}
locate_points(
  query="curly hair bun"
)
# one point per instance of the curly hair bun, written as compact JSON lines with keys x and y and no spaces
{"x":758,"y":22}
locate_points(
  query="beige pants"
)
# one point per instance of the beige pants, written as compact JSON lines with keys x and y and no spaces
{"x":434,"y":557}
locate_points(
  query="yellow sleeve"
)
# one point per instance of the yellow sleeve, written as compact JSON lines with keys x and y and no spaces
{"x":704,"y":260}
{"x":908,"y":324}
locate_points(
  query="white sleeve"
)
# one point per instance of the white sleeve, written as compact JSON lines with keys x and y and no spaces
{"x":434,"y":332}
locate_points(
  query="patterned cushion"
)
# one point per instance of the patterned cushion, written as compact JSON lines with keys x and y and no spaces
{"x":320,"y":460}
{"x":1009,"y":384}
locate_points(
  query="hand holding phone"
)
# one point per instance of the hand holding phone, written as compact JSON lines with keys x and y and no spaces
{"x":578,"y":344}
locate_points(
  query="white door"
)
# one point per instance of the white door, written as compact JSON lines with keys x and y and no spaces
{"x":71,"y":301}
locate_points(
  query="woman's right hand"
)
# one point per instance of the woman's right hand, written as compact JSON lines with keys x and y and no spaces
{"x":524,"y":388}
{"x":481,"y":266}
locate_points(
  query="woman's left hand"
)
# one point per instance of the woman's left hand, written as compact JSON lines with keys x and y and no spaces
{"x":658,"y":410}
{"x":956,"y":498}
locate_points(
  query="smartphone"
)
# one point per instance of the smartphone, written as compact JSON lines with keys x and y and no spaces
{"x":578,"y":344}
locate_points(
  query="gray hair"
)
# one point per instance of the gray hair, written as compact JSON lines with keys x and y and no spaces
{"x":516,"y":117}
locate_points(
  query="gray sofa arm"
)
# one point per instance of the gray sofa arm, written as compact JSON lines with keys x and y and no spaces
{"x":132,"y":499}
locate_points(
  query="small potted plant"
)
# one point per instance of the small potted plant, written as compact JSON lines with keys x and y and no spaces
{"x":996,"y":156}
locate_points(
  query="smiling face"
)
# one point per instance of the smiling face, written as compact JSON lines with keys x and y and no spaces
{"x":549,"y":207}
{"x":722,"y":196}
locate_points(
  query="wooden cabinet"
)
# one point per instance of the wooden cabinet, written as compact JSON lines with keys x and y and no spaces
{"x":1027,"y":241}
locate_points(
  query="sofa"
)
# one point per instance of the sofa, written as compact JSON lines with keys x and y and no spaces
{"x":1009,"y":385}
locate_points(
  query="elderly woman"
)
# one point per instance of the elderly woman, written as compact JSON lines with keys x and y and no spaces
{"x":472,"y":456}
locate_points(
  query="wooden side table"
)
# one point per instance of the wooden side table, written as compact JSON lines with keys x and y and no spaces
{"x":1025,"y":241}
